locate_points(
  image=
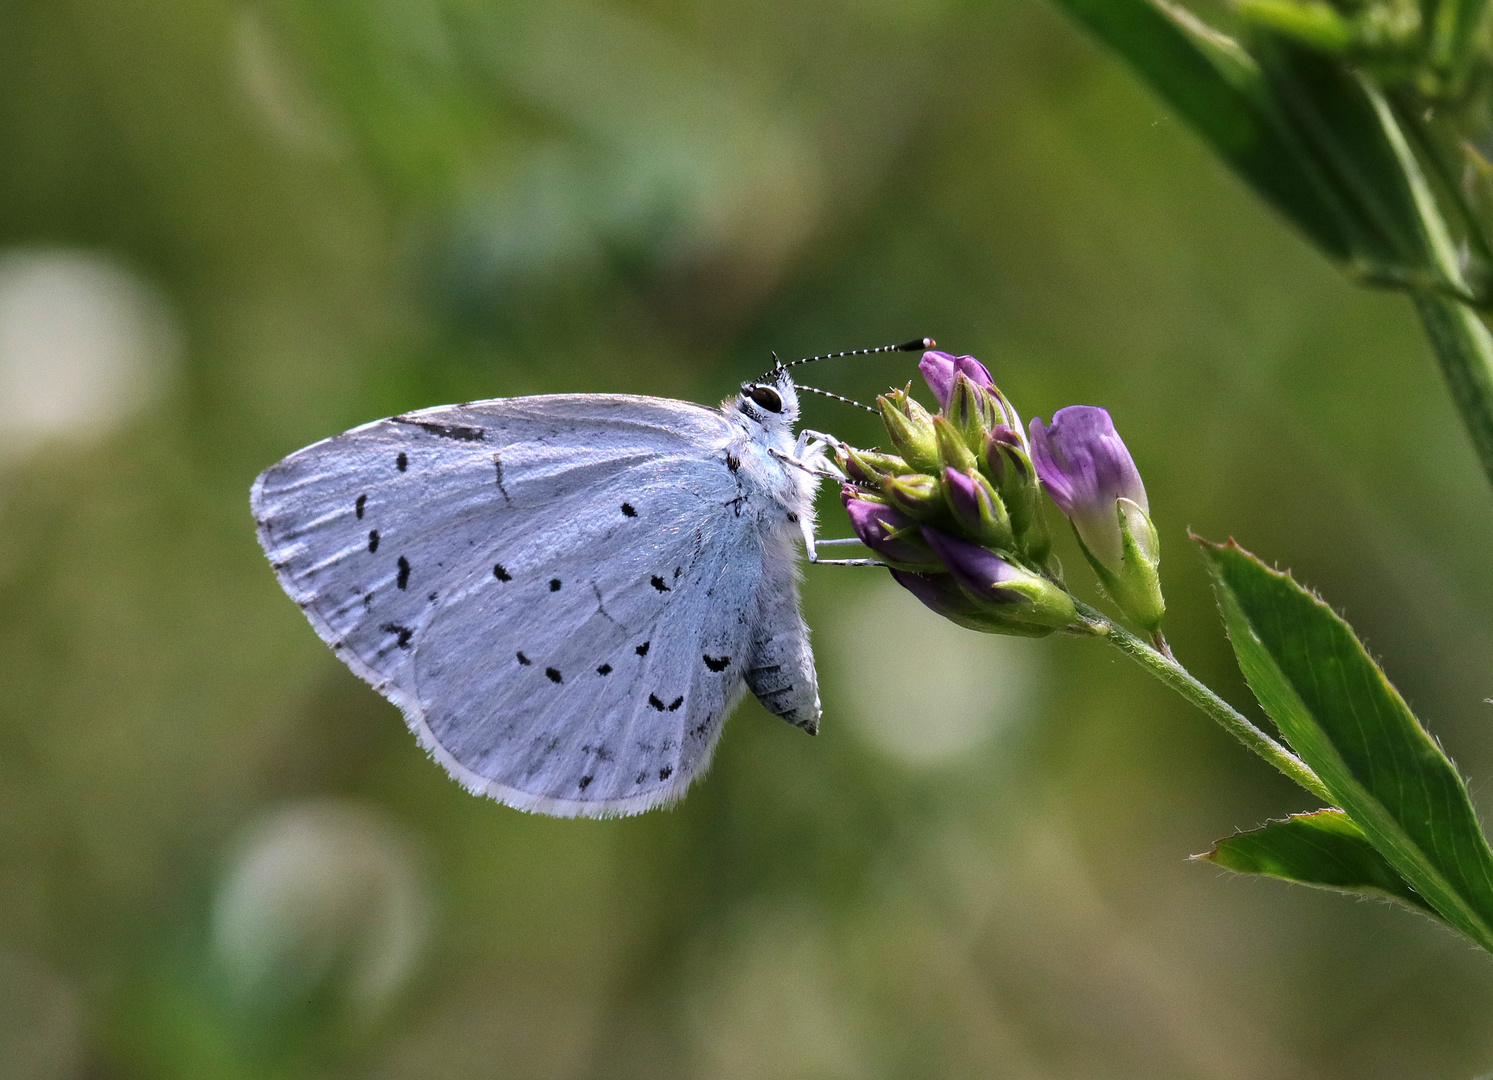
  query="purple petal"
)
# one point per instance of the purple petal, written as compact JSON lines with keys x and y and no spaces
{"x":1085,"y":467}
{"x":875,"y":524}
{"x":939,"y":369}
{"x":938,"y":592}
{"x":964,"y":495}
{"x":975,"y":569}
{"x":974,"y":371}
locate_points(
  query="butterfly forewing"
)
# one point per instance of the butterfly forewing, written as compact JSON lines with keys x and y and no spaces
{"x":559,"y":592}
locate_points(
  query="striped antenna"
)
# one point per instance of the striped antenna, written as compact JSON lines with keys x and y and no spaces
{"x":916,"y":345}
{"x":837,"y":397}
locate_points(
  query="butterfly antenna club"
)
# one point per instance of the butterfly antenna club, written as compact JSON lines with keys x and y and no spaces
{"x":915,"y":345}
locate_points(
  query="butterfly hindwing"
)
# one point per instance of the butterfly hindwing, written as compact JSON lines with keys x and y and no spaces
{"x":781,"y":668}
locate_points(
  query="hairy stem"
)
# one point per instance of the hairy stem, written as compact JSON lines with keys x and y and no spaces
{"x":1165,"y":668}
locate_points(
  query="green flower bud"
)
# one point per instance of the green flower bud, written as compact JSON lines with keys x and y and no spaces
{"x":973,"y":412}
{"x":953,"y":452}
{"x":916,"y":495}
{"x":977,"y":509}
{"x":911,"y":430}
{"x":1036,"y":539}
{"x":1006,"y":462}
{"x":1137,"y":588}
{"x":869,"y":467}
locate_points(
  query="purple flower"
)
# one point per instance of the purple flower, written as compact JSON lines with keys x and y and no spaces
{"x":941,"y":594}
{"x":887,"y":532}
{"x":978,"y":571}
{"x":940,"y":370}
{"x":1085,"y":467}
{"x":983,"y":592}
{"x":977,"y":507}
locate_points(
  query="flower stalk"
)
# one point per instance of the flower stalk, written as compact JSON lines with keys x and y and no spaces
{"x":1174,"y":675}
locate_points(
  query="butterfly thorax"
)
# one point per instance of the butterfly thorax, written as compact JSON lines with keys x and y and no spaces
{"x":766,"y":449}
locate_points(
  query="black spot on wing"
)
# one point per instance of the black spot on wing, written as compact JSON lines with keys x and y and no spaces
{"x":447,"y":431}
{"x":628,"y":511}
{"x":717,"y":663}
{"x":554,"y":675}
{"x":403,"y":580}
{"x":372,"y":541}
{"x":497,"y":464}
{"x":358,"y":506}
{"x":666,"y":772}
{"x":653,"y":700}
{"x":585,"y":782}
{"x":554,"y":584}
{"x":605,"y":669}
{"x":402,"y":634}
{"x":658,"y":583}
{"x":522,"y":659}
{"x":402,"y":462}
{"x":642,"y":650}
{"x":674,"y":705}
{"x":500,"y":573}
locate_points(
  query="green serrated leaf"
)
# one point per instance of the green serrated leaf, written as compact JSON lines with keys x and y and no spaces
{"x":1323,"y":849}
{"x":1345,"y":720}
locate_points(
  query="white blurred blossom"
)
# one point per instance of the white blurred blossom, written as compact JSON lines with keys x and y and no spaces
{"x":85,"y":343}
{"x":949,"y":690}
{"x":323,"y":896}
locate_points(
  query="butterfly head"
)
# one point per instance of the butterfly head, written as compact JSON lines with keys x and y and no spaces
{"x":771,"y":401}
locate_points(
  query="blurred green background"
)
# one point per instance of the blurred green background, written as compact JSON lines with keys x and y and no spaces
{"x":228,"y":230}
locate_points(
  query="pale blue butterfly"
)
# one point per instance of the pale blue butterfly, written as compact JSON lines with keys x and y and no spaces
{"x":565,"y":595}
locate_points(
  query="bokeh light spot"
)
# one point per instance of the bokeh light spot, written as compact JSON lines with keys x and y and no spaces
{"x":321,"y":892}
{"x":85,"y":343}
{"x":920,"y":689}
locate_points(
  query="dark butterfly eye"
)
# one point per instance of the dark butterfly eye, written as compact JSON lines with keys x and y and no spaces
{"x":767,"y":397}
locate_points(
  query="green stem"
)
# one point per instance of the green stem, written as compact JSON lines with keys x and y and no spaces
{"x":1464,"y":349}
{"x":1461,"y":341}
{"x":1227,"y":717}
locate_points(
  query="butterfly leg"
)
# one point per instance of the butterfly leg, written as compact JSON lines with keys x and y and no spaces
{"x":812,"y":544}
{"x":810,"y":449}
{"x":822,"y":468}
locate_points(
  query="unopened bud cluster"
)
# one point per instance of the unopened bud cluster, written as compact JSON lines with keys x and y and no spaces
{"x":956,"y":512}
